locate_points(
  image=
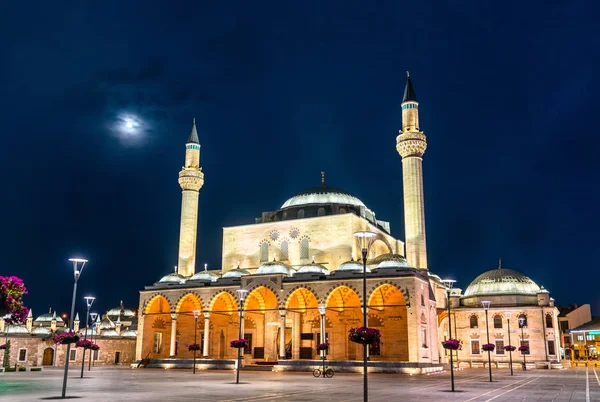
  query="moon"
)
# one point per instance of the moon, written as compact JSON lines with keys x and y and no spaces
{"x":129,"y":124}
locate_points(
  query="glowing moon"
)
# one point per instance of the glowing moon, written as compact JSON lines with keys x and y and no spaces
{"x":129,"y":124}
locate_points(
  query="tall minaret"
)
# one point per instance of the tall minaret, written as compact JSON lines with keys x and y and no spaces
{"x":411,"y":144}
{"x":191,"y":180}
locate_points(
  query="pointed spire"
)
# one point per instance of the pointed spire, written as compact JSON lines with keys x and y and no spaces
{"x":409,"y":90}
{"x":77,"y":317}
{"x":54,"y":316}
{"x":98,"y":319}
{"x":50,"y":311}
{"x":322,"y":179}
{"x":30,"y":314}
{"x":193,"y":138}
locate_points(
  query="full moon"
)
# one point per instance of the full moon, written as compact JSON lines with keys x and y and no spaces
{"x":129,"y":124}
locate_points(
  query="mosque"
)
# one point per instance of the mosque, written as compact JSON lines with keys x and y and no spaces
{"x":302,"y":264}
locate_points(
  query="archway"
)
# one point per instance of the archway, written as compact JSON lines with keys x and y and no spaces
{"x":157,"y":328}
{"x":261,"y":309}
{"x":224,"y":326}
{"x":387,"y":313}
{"x":343,"y":309}
{"x":185,"y":324}
{"x":302,"y":325}
{"x":48,"y":357}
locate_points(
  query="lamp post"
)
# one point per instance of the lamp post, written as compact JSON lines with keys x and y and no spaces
{"x":449,"y":283}
{"x":241,"y":296}
{"x":89,"y":300}
{"x":507,"y":314}
{"x":93,"y":315}
{"x":486,"y":307}
{"x":196,"y":315}
{"x":522,"y":325}
{"x":76,"y":274}
{"x":365,"y":239}
{"x":322,"y":310}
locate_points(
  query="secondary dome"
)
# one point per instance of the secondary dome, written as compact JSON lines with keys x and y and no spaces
{"x":235,"y":273}
{"x":314,"y":269}
{"x":501,"y":281}
{"x":48,"y":317}
{"x":173,"y":278}
{"x":129,"y":333}
{"x":205,"y":275}
{"x":322,"y":195}
{"x":275,"y":267}
{"x":120,"y":311}
{"x":351,"y":266}
{"x":390,"y":261}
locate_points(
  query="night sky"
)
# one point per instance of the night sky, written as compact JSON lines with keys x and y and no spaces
{"x":282,"y":91}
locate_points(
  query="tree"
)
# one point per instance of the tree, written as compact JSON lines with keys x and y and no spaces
{"x":12,"y":308}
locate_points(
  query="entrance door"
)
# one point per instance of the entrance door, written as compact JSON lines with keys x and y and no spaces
{"x":117,"y":357}
{"x":48,"y":357}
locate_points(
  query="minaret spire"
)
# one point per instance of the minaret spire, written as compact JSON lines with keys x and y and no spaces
{"x":191,"y":180}
{"x":411,"y":145}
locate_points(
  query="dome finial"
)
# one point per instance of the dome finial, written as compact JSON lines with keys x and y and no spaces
{"x":499,"y":263}
{"x":407,"y":74}
{"x":205,"y":267}
{"x":175,"y":269}
{"x":322,"y":179}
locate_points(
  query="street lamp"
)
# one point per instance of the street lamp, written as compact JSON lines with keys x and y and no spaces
{"x":449,"y":283}
{"x":241,"y":296}
{"x":196,"y":315}
{"x":322,"y":310}
{"x":507,"y":314}
{"x":486,"y":307}
{"x":93,"y":315}
{"x":522,"y":322}
{"x":89,"y":300}
{"x":365,"y":239}
{"x":76,"y":274}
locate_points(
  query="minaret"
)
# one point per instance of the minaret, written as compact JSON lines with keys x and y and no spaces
{"x":76,"y":323}
{"x":411,"y":145}
{"x":29,"y":322}
{"x":191,"y":180}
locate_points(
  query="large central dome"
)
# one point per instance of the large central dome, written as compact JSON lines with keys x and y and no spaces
{"x":501,"y":281}
{"x":322,"y":195}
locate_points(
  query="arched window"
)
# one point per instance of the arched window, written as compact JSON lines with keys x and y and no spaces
{"x":284,"y":251}
{"x":523,"y":319}
{"x":264,"y":252}
{"x":497,"y":321}
{"x":321,"y":211}
{"x":548,"y":321}
{"x":304,"y":251}
{"x":473,"y":321}
{"x":422,"y":300}
{"x":300,"y":213}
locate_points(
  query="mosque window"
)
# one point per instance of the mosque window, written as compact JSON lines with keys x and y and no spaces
{"x":499,"y":346}
{"x":498,"y":321}
{"x":158,"y":340}
{"x":475,"y":350}
{"x":551,"y":348}
{"x":548,"y":321}
{"x":321,"y":211}
{"x":422,"y":300}
{"x":473,"y":321}
{"x":284,"y":251}
{"x":522,"y":318}
{"x":264,"y":252}
{"x":73,"y":355}
{"x":525,"y":342}
{"x":300,"y":213}
{"x":304,"y":251}
{"x":22,"y":355}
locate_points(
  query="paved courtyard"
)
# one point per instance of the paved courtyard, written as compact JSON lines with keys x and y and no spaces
{"x":120,"y":384}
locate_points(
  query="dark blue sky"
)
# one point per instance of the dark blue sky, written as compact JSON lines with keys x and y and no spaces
{"x":281,"y":91}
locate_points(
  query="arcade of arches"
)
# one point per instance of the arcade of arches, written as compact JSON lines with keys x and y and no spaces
{"x":276,"y":329}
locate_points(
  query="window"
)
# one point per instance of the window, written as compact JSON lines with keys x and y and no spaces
{"x":525,"y":342}
{"x":248,"y":348}
{"x":264,"y":252}
{"x":424,"y":337}
{"x":499,"y":347}
{"x":497,"y":321}
{"x":300,"y":213}
{"x":473,"y":321}
{"x":304,"y":251}
{"x":321,"y":211}
{"x":548,"y":321}
{"x":523,"y":318}
{"x":158,"y":342}
{"x":284,"y":251}
{"x":551,"y":348}
{"x":95,"y":355}
{"x":475,"y":349}
{"x":73,"y":355}
{"x":422,"y":301}
{"x":579,"y":337}
{"x":22,"y":355}
{"x":589,"y":337}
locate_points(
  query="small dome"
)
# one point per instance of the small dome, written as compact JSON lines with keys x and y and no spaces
{"x":48,"y":317}
{"x":173,"y":278}
{"x":275,"y":267}
{"x":106,"y":324}
{"x":129,"y":334}
{"x":41,"y":331}
{"x":322,"y":195}
{"x":205,"y":275}
{"x":235,"y":273}
{"x":110,"y":333}
{"x":501,"y":281}
{"x":351,"y":266}
{"x":120,"y":311}
{"x":390,"y":261}
{"x":313,"y":268}
{"x":16,"y":330}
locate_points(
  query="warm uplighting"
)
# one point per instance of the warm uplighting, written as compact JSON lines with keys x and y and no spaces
{"x":196,"y":313}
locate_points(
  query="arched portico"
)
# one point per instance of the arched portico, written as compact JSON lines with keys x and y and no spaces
{"x":261,"y":309}
{"x":156,"y":336}
{"x":388,"y":314}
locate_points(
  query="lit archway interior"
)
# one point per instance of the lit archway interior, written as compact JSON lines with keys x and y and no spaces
{"x":185,"y":325}
{"x":261,"y":324}
{"x":302,"y":325}
{"x":224,"y":326}
{"x":157,"y":328}
{"x":343,"y":310}
{"x":387,"y":313}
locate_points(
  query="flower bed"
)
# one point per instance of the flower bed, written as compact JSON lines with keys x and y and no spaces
{"x":510,"y":348}
{"x":86,"y":344}
{"x":66,"y":337}
{"x":239,"y":343}
{"x":12,"y":291}
{"x":193,"y":347}
{"x":322,"y":346}
{"x":452,"y":344}
{"x":488,"y":347}
{"x":365,"y":336}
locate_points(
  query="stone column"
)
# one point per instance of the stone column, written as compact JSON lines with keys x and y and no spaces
{"x":282,"y":313}
{"x":296,"y":335}
{"x":173,"y":335}
{"x":205,"y":348}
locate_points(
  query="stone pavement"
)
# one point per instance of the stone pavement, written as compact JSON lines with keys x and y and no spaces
{"x":472,"y":385}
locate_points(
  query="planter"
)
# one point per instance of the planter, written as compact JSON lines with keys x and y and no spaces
{"x":66,"y":337}
{"x":95,"y":347}
{"x":86,"y":344}
{"x":239,"y":343}
{"x":524,"y":349}
{"x":35,"y":369}
{"x":3,"y":346}
{"x":488,"y":347}
{"x":510,"y":348}
{"x":194,"y":347}
{"x":365,"y":336}
{"x":322,"y":347}
{"x":452,"y":344}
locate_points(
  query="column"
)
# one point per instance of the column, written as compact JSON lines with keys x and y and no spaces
{"x":282,"y":334}
{"x":296,"y":335}
{"x":205,"y":348}
{"x":173,"y":335}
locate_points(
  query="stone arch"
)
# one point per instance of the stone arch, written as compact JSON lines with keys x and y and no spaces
{"x":260,"y":297}
{"x":306,"y":298}
{"x":159,"y":296}
{"x":266,"y":284}
{"x":228,"y":298}
{"x":376,"y":286}
{"x":288,"y":294}
{"x":376,"y":296}
{"x":328,"y":294}
{"x":193,"y":297}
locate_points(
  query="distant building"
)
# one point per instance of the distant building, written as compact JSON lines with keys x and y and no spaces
{"x":585,"y":340}
{"x":571,"y":317}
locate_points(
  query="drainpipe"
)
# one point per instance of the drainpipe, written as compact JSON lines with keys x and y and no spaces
{"x":544,"y":331}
